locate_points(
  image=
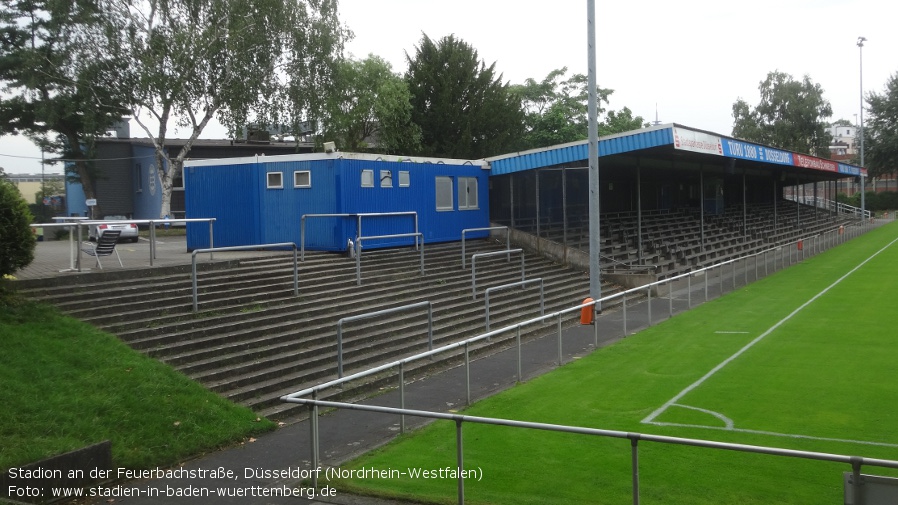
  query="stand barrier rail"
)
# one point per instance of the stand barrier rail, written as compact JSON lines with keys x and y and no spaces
{"x":837,"y":236}
{"x":358,"y":226}
{"x":491,"y":228}
{"x":244,"y":248}
{"x":358,"y":251}
{"x":381,"y":313}
{"x":474,"y":257}
{"x":542,"y":296}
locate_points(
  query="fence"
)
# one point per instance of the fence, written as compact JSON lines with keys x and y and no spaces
{"x":310,"y":396}
{"x":243,"y":248}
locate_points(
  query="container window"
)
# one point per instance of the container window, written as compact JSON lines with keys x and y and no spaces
{"x":367,"y":178}
{"x":404,"y":179}
{"x":302,"y":179}
{"x":444,"y":193}
{"x":139,"y":177}
{"x":467,"y":193}
{"x":386,"y":178}
{"x":275,"y":180}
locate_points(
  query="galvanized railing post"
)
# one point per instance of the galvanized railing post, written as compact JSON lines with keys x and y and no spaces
{"x":670,"y":295}
{"x":648,"y":293}
{"x":402,"y":395}
{"x":314,"y":445}
{"x":560,"y":354}
{"x":460,"y":461}
{"x":689,"y":291}
{"x":467,"y":374}
{"x":624,"y":307}
{"x":517,"y":337}
{"x":634,"y":458}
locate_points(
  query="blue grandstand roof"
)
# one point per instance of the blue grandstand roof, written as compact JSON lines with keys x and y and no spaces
{"x":577,"y":151}
{"x":675,"y":137}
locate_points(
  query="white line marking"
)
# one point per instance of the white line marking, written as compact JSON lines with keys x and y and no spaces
{"x":775,"y":434}
{"x":727,"y":422}
{"x":651,"y":417}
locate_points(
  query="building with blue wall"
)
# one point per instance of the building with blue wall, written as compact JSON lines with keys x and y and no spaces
{"x":261,"y":199}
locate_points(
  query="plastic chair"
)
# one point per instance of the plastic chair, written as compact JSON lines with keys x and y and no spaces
{"x":105,"y":246}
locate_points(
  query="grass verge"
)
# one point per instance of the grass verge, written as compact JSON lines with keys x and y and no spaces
{"x":67,"y":384}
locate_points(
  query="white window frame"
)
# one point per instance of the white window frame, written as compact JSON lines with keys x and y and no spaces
{"x":465,"y":186}
{"x":386,"y":178}
{"x":444,"y":183}
{"x":270,"y":184}
{"x":296,"y":182}
{"x":367,"y":178}
{"x":404,"y":179}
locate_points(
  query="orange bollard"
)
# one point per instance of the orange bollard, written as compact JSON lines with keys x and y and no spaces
{"x":586,"y":313}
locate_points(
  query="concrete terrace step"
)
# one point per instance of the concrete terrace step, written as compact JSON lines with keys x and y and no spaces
{"x":253,"y":340}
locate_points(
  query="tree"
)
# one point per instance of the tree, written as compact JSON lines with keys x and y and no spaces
{"x":556,"y":110}
{"x":17,"y":241}
{"x":369,"y":103}
{"x":881,"y":131}
{"x":791,"y":115}
{"x":463,"y":108}
{"x":238,"y":60}
{"x":59,"y":79}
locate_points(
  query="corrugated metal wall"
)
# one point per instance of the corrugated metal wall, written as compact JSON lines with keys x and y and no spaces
{"x":248,"y":212}
{"x":230,"y":194}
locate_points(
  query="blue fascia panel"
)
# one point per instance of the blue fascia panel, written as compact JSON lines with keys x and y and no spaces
{"x":568,"y":153}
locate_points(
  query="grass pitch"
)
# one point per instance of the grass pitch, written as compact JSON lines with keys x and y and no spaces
{"x":804,"y":359}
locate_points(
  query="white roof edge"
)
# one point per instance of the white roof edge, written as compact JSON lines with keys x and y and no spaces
{"x":331,"y":156}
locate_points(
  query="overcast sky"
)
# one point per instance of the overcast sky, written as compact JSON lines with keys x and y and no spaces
{"x":693,"y":59}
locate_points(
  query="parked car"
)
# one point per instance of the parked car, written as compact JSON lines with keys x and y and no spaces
{"x":129,"y":230}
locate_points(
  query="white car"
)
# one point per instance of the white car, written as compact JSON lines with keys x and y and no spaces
{"x":129,"y":230}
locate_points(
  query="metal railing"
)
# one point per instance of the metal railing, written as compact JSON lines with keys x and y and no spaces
{"x":831,"y":238}
{"x":485,"y":255}
{"x":380,"y":313}
{"x":243,"y":248}
{"x":491,"y":228}
{"x":75,"y":263}
{"x":358,"y":227}
{"x":358,"y":251}
{"x":542,"y":296}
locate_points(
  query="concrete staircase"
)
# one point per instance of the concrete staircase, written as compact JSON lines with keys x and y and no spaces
{"x":252,"y":341}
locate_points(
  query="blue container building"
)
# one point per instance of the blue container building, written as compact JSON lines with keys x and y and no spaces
{"x":261,"y":199}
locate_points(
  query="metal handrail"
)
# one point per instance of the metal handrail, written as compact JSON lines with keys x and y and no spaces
{"x":151,"y":222}
{"x":358,"y":227}
{"x":542,"y":298}
{"x":314,"y":404}
{"x":243,"y":248}
{"x":379,"y":313}
{"x":358,"y":251}
{"x":491,"y":228}
{"x":483,"y":255}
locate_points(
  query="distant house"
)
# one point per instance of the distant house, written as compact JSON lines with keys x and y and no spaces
{"x":129,"y":181}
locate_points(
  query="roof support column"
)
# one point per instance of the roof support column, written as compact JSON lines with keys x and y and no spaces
{"x":536,"y":175}
{"x":797,"y":202}
{"x":564,"y":204}
{"x":775,"y":201}
{"x":744,"y":205}
{"x":511,"y":196}
{"x":595,"y":285}
{"x":638,"y":211}
{"x":701,"y":205}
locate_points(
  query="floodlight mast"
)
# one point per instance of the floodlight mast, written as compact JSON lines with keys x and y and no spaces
{"x":595,"y":286}
{"x":860,"y":45}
